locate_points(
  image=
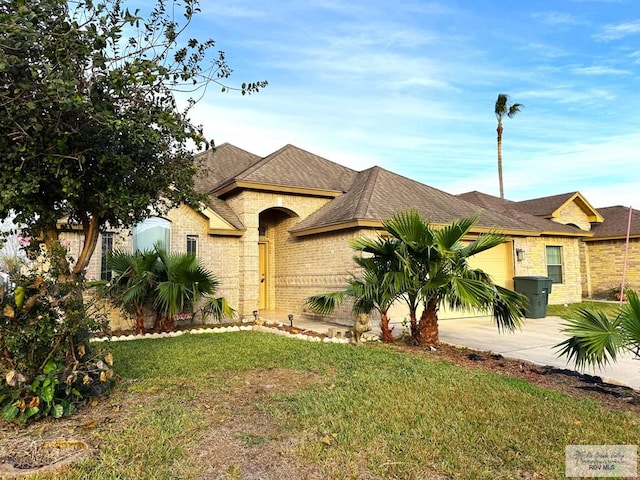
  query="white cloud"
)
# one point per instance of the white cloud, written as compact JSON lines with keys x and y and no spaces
{"x":557,"y":18}
{"x":618,"y":31}
{"x":600,"y":70}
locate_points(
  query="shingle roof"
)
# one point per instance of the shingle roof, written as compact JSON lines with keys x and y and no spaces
{"x":544,"y":206}
{"x":223,"y":209}
{"x":293,"y":167}
{"x":377,"y":194}
{"x":221,"y":164}
{"x":514,"y":210}
{"x":616,"y":220}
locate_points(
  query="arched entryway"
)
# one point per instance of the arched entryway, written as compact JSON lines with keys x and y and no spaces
{"x":273,"y":241}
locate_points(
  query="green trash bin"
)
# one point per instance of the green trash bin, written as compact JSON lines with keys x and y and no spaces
{"x":537,"y":290}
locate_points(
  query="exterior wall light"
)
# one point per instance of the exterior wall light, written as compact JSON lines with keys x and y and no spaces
{"x":520,"y":254}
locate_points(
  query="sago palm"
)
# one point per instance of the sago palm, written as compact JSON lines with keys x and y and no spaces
{"x":595,"y":339}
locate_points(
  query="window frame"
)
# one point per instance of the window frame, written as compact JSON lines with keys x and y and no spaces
{"x":554,"y":277}
{"x":192,"y":239}
{"x":106,"y":247}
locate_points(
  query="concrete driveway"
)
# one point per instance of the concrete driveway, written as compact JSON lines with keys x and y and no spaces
{"x":534,"y":342}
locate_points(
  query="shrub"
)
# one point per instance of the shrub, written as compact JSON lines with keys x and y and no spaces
{"x":47,"y":365}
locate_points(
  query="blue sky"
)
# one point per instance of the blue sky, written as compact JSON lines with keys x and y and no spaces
{"x":411,"y":86}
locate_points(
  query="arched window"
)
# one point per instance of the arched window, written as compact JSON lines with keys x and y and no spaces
{"x":152,"y":231}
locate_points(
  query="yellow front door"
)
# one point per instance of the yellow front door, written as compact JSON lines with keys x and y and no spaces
{"x":263,"y":290}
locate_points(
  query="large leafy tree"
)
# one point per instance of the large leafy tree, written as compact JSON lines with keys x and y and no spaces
{"x":596,"y":339}
{"x":91,"y":132}
{"x":504,"y":107}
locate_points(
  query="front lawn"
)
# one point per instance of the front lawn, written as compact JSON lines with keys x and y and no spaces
{"x":570,"y":310}
{"x":253,"y":405}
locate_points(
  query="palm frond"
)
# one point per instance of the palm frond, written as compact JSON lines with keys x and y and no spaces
{"x":326,"y":303}
{"x":594,"y":340}
{"x":450,"y":235}
{"x":218,"y":308}
{"x":508,"y":308}
{"x":484,"y":242}
{"x":514,"y":109}
{"x":501,"y":105}
{"x":630,"y":320}
{"x":410,"y":228}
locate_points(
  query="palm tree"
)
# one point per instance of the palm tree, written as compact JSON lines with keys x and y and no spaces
{"x":135,"y":278}
{"x":435,"y":271}
{"x":427,"y":267}
{"x":167,"y":283}
{"x":597,"y":339}
{"x":183,"y":282}
{"x":504,"y":107}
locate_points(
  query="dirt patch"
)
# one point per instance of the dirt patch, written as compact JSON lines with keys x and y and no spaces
{"x":242,"y":442}
{"x":51,"y":445}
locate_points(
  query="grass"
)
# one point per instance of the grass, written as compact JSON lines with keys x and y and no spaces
{"x":374,"y":412}
{"x":569,"y":311}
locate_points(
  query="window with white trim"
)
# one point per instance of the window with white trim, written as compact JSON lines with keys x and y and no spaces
{"x":554,"y":264}
{"x":192,"y":244}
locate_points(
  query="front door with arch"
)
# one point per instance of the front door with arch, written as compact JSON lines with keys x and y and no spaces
{"x":263,"y":275}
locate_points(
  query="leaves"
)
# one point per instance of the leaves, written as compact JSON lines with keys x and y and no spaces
{"x":90,"y":128}
{"x":596,"y":339}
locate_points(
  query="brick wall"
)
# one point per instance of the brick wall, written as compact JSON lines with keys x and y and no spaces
{"x":606,"y":260}
{"x":535,"y":263}
{"x":573,"y":214}
{"x":279,"y":213}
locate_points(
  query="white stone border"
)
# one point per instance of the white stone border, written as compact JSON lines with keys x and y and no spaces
{"x":233,"y":328}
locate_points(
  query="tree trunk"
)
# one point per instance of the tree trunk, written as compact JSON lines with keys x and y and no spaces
{"x":139,"y":319}
{"x":499,"y":130}
{"x":60,"y":265}
{"x":414,"y":324}
{"x":428,"y":326}
{"x":387,"y":336}
{"x":91,"y":229}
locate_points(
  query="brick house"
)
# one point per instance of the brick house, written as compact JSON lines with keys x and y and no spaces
{"x":276,"y":230}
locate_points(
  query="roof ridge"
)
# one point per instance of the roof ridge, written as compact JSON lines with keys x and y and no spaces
{"x":369,"y":187}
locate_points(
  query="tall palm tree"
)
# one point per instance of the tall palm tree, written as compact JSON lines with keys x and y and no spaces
{"x":504,"y":107}
{"x":597,"y":339}
{"x":435,"y":271}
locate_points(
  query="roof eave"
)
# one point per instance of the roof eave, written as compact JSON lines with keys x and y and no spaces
{"x":226,"y":233}
{"x":378,"y":224}
{"x":613,"y":237}
{"x":267,"y":187}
